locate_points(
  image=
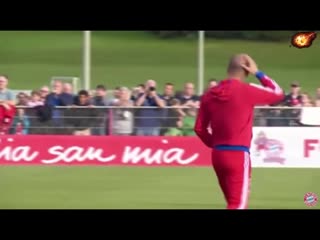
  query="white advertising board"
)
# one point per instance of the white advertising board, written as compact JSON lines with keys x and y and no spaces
{"x":293,"y":147}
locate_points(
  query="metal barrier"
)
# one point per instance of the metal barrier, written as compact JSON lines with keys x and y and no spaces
{"x":168,"y":121}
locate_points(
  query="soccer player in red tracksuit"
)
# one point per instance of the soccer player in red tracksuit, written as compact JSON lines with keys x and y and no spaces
{"x":228,"y":109}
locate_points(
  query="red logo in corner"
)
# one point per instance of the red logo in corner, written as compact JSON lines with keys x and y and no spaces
{"x":310,"y":199}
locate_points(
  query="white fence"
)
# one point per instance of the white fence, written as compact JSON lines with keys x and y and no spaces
{"x":307,"y":116}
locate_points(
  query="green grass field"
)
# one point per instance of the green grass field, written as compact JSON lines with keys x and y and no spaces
{"x":146,"y":188}
{"x":128,"y":58}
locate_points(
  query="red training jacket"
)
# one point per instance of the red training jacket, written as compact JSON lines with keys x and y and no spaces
{"x":228,"y":109}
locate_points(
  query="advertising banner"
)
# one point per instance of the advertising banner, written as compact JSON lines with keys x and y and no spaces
{"x":109,"y":150}
{"x":297,"y":147}
{"x":286,"y":147}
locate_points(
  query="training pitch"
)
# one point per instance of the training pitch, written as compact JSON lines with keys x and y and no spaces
{"x":146,"y":188}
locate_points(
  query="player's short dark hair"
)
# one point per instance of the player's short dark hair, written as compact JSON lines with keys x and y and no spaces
{"x":169,"y":84}
{"x":83,"y":93}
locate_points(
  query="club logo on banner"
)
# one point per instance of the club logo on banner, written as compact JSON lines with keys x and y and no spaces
{"x":271,"y":150}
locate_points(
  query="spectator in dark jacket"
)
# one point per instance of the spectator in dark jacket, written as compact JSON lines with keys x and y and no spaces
{"x":58,"y":98}
{"x":67,"y":88}
{"x":82,"y":116}
{"x":100,"y":100}
{"x":168,"y":97}
{"x":188,"y":96}
{"x":293,"y":99}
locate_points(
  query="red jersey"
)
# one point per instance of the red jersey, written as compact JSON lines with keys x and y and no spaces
{"x":228,"y":109}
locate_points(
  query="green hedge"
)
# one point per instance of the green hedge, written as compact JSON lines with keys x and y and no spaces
{"x":245,"y":35}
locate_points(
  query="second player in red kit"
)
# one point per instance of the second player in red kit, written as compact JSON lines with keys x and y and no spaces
{"x":228,"y":110}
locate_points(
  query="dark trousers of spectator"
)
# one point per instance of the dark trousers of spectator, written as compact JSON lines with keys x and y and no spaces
{"x":98,"y":131}
{"x":148,"y":131}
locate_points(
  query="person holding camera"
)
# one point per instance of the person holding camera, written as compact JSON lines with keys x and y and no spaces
{"x":149,"y":116}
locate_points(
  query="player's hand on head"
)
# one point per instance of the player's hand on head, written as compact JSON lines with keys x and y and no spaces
{"x":250,"y":65}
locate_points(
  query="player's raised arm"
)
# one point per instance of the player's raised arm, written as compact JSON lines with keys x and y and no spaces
{"x":262,"y":95}
{"x":269,"y":92}
{"x":202,"y":123}
{"x":267,"y":81}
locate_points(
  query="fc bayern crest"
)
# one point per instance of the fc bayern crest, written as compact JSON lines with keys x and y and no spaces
{"x":310,"y":199}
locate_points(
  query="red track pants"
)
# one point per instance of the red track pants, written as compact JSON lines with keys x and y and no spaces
{"x":233,"y":170}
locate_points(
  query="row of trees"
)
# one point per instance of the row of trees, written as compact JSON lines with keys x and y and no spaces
{"x":245,"y":35}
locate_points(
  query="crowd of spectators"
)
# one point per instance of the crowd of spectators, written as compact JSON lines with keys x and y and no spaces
{"x":290,"y":113}
{"x":144,"y":110}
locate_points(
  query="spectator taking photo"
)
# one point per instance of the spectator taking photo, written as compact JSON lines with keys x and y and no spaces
{"x":149,"y":119}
